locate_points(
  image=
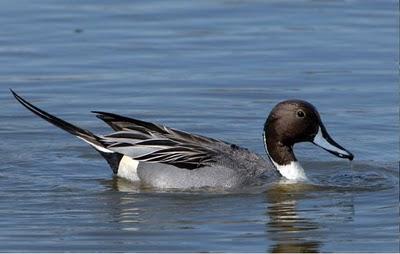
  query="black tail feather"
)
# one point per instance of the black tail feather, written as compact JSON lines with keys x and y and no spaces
{"x":112,"y":158}
{"x":118,"y":122}
{"x":74,"y":130}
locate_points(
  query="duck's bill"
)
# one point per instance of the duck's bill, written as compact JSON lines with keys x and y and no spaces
{"x":323,"y":140}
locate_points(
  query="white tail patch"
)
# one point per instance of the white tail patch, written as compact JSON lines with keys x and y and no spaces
{"x":128,"y":168}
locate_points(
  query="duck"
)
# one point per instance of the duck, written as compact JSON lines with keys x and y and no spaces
{"x":162,"y":157}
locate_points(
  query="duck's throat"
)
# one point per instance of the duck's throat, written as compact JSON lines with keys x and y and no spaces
{"x":284,"y":160}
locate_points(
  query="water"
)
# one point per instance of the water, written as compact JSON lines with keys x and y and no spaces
{"x":210,"y":67}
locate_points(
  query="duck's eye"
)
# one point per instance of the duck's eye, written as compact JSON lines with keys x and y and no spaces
{"x":300,"y":113}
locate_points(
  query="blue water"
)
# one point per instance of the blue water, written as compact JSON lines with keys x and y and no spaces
{"x":211,"y":67}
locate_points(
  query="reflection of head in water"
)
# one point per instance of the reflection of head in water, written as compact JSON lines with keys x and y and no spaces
{"x":285,"y":226}
{"x":304,"y":229}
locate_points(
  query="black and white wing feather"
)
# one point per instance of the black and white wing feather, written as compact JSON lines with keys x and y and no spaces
{"x":122,"y":123}
{"x":150,"y":142}
{"x":150,"y":148}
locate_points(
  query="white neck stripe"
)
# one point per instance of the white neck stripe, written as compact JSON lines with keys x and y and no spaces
{"x":292,"y":171}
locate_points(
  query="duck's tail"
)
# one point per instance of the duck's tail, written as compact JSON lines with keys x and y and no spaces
{"x":112,"y":158}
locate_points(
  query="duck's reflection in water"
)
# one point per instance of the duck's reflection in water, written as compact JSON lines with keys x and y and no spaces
{"x":124,"y":207}
{"x":123,"y":185}
{"x":298,"y":215}
{"x":286,"y":227}
{"x":304,"y":228}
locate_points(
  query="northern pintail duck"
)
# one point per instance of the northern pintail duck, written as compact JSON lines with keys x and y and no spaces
{"x":163,"y":157}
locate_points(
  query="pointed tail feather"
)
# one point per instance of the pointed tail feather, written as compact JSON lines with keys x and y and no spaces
{"x":87,"y":136}
{"x":74,"y":130}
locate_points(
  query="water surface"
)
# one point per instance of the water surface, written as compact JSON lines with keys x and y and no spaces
{"x":211,"y":67}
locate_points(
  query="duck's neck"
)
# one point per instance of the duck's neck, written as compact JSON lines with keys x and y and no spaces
{"x":283,"y":158}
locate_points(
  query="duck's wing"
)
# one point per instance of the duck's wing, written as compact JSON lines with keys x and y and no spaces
{"x":122,"y":123}
{"x":149,"y":142}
